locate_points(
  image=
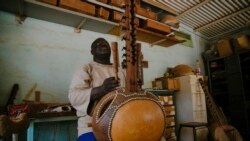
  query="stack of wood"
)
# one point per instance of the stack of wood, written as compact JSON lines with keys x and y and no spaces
{"x":150,"y":22}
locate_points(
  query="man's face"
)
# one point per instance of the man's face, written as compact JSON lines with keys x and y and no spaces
{"x":102,"y":50}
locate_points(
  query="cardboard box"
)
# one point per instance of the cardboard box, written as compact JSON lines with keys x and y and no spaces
{"x":79,"y":6}
{"x":224,"y":47}
{"x":52,"y":2}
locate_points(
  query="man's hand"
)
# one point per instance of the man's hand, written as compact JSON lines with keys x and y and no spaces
{"x":109,"y":85}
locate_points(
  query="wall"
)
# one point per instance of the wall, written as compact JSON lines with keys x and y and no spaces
{"x":47,"y":54}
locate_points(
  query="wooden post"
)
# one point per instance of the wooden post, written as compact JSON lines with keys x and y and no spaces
{"x":37,"y":96}
{"x":115,"y":52}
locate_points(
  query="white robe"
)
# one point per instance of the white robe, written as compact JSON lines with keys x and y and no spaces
{"x":87,"y":77}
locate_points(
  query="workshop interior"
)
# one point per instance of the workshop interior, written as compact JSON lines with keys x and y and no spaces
{"x":125,"y":70}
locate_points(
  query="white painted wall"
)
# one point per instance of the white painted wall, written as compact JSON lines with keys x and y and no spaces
{"x":48,"y":54}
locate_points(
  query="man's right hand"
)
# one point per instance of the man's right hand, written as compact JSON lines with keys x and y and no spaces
{"x":109,"y":84}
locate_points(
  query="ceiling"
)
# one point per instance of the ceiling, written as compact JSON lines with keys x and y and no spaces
{"x":211,"y":18}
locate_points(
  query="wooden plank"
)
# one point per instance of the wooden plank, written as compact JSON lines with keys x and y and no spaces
{"x":156,"y":26}
{"x":97,"y":3}
{"x":148,"y":36}
{"x":103,"y":13}
{"x":78,"y":5}
{"x":116,"y":16}
{"x":58,"y":10}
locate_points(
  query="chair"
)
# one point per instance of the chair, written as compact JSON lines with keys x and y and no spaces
{"x":193,"y":125}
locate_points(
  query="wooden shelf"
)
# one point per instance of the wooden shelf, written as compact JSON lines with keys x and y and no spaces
{"x":55,"y":14}
{"x":106,"y":5}
{"x":113,"y":8}
{"x":148,"y":37}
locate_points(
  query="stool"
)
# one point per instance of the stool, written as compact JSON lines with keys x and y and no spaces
{"x":193,"y":125}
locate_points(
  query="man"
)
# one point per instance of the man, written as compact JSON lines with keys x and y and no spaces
{"x":89,"y":84}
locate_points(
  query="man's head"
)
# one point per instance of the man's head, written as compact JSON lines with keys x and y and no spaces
{"x":101,"y":51}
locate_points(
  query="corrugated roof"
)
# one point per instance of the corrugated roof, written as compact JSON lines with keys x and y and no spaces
{"x":212,"y":18}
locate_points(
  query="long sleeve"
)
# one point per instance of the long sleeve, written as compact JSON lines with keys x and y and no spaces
{"x":80,"y":91}
{"x":86,"y":78}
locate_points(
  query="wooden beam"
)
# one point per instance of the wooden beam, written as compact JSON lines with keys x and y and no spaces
{"x":222,"y":19}
{"x":161,"y":6}
{"x":193,"y":8}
